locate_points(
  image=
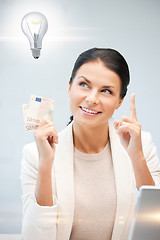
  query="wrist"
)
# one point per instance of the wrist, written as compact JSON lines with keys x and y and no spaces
{"x":45,"y":169}
{"x":137,"y":156}
{"x":138,"y":160}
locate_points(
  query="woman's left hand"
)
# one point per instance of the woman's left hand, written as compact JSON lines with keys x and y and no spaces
{"x":129,"y":131}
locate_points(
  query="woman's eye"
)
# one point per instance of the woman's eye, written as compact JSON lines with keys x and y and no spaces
{"x":83,"y":84}
{"x":106,"y":91}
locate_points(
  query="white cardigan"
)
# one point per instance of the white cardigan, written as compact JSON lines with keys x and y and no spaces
{"x":55,"y":223}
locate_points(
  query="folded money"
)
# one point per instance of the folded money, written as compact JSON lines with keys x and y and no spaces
{"x":38,"y":109}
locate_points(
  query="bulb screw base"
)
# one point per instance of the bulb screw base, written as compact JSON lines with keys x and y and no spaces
{"x":36,"y":52}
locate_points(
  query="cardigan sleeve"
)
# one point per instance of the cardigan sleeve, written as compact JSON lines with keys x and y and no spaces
{"x":151,"y":156}
{"x":38,"y":222}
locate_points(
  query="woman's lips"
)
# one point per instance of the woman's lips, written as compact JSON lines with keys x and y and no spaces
{"x":89,"y":112}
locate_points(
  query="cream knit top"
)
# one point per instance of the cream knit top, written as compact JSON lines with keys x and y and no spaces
{"x":95,"y":196}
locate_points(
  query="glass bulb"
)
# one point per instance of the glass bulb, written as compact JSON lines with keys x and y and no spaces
{"x":34,"y":26}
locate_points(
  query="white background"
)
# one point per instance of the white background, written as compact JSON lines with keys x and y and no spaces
{"x":131,"y":27}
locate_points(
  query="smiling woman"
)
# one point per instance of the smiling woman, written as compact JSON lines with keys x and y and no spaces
{"x":100,"y":94}
{"x":80,"y":183}
{"x":109,"y":59}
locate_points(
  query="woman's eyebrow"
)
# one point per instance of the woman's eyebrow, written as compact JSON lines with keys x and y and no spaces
{"x":108,"y":86}
{"x":85,"y":79}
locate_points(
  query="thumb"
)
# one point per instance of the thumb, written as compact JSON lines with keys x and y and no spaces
{"x":116,"y":123}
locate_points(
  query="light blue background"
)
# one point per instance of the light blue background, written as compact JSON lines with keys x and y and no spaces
{"x":131,"y":27}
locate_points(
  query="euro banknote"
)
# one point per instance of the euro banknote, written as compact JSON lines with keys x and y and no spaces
{"x":38,"y":109}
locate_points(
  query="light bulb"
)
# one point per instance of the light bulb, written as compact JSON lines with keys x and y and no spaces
{"x":34,"y":26}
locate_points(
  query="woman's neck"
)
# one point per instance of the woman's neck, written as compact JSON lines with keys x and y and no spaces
{"x":90,"y":140}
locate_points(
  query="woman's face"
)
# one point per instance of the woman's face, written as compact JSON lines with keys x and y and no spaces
{"x":94,"y":94}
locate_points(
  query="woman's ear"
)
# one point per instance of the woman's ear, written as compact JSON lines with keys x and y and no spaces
{"x":119,"y":104}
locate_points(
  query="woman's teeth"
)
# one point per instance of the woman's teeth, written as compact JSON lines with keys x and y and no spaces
{"x":88,"y":110}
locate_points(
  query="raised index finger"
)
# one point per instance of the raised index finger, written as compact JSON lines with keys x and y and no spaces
{"x":133,"y":113}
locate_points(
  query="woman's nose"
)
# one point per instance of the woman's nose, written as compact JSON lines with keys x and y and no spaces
{"x":92,"y":98}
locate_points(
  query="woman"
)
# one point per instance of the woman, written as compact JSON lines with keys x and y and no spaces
{"x":81,"y":183}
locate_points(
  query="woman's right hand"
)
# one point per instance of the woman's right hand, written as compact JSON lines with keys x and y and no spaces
{"x":46,"y":137}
